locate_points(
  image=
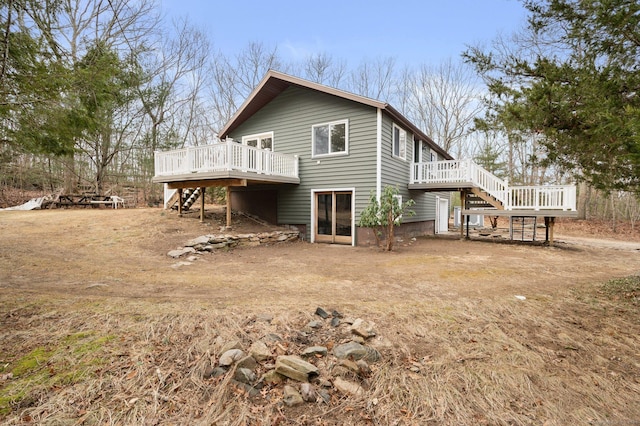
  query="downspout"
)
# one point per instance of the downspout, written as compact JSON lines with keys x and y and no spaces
{"x":379,"y":154}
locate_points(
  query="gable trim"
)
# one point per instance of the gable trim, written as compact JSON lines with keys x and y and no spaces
{"x":274,"y":83}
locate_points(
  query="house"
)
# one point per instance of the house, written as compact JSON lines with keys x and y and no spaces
{"x":306,"y":155}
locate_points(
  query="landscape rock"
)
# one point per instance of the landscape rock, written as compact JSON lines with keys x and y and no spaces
{"x":247,"y":362}
{"x":221,"y":241}
{"x":363,"y":328}
{"x":213,"y":372}
{"x":314,"y":350}
{"x":292,"y":397}
{"x":272,"y":337}
{"x":202,"y":240}
{"x":325,"y":395}
{"x":347,"y":387}
{"x":314,"y":324}
{"x":349,"y":365}
{"x":358,"y":339}
{"x":260,"y":351}
{"x":231,"y":356}
{"x":308,"y":392}
{"x":244,"y":375}
{"x":372,"y":355}
{"x":181,"y":252}
{"x":335,"y":321}
{"x":365,"y":370}
{"x":295,"y":368}
{"x":272,"y":378}
{"x":322,"y":313}
{"x":250,"y":390}
{"x":352,"y":350}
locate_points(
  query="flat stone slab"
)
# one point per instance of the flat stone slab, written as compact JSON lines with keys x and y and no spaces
{"x":295,"y":368}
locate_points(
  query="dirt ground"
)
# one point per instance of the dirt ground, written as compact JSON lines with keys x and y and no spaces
{"x":561,"y":352}
{"x":124,"y":254}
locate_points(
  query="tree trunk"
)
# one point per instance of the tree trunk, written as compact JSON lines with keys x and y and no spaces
{"x":582,"y":201}
{"x":390,"y":231}
{"x":613,"y":213}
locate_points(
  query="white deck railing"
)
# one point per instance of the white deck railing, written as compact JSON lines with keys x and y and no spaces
{"x":546,"y":197}
{"x":225,"y":156}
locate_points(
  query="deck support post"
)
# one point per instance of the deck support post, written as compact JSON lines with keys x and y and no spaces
{"x":549,"y":223}
{"x":203,"y":191}
{"x":179,"y":202}
{"x":468,"y":218}
{"x":228,"y":196}
{"x":463,"y":218}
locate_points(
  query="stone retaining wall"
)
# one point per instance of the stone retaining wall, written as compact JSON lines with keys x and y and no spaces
{"x":226,"y":241}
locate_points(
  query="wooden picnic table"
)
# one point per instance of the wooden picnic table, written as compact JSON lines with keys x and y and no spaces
{"x":89,"y":200}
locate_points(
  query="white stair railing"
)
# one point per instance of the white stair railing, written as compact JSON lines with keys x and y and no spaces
{"x":546,"y":197}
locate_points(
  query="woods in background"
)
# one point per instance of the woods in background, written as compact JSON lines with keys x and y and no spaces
{"x":89,"y":89}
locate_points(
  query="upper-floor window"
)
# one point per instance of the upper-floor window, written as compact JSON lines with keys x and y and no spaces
{"x":330,"y":138}
{"x":399,"y":142}
{"x":261,"y":140}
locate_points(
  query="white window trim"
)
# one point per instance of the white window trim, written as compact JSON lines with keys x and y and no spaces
{"x":393,"y":154}
{"x":353,"y":211}
{"x":260,"y":136}
{"x":330,"y":154}
{"x":433,"y":155}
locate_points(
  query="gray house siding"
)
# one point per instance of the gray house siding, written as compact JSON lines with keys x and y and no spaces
{"x":397,"y":172}
{"x":291,"y":116}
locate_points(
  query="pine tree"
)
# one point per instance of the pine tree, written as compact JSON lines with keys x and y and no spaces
{"x":573,"y":78}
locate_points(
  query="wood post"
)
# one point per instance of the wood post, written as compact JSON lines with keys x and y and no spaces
{"x":463,"y":196}
{"x":203,"y":191}
{"x":228,"y":194}
{"x":549,"y":223}
{"x":179,"y":201}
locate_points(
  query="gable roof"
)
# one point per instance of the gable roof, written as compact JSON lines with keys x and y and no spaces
{"x":275,"y":82}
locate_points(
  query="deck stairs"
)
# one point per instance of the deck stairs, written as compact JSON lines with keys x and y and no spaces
{"x":189,"y":196}
{"x":485,"y":191}
{"x":479,"y":199}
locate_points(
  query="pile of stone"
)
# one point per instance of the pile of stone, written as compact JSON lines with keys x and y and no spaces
{"x":306,"y":373}
{"x":209,"y":243}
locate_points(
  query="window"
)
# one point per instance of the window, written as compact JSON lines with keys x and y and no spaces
{"x":330,"y":138}
{"x":262,"y":140}
{"x":399,"y":142}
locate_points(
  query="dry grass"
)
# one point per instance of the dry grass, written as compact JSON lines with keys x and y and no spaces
{"x":561,"y":360}
{"x":457,"y":347}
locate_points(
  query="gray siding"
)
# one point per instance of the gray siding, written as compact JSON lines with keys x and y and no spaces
{"x":397,"y":172}
{"x":290,"y":116}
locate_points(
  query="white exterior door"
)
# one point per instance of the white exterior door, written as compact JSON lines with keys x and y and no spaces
{"x":442,"y":215}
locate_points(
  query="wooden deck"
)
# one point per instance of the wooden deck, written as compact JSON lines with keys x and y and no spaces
{"x":205,"y":165}
{"x":466,"y":176}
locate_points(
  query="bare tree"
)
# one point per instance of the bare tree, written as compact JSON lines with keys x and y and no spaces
{"x":174,"y":84}
{"x":374,"y":79}
{"x":444,"y":100}
{"x":324,"y":69}
{"x":232,"y":79}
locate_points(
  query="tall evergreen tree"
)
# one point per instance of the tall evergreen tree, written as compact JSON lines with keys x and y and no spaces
{"x":574,"y":78}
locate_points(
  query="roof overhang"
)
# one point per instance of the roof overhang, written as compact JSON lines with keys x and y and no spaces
{"x":275,"y":82}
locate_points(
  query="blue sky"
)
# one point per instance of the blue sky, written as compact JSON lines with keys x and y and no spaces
{"x":413,"y":31}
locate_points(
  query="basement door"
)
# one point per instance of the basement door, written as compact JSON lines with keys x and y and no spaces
{"x":334,"y":217}
{"x":442,"y":215}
